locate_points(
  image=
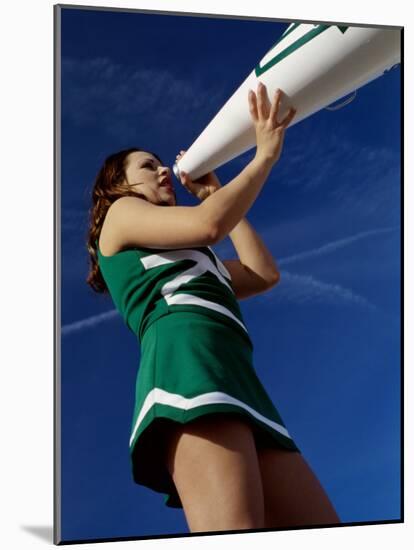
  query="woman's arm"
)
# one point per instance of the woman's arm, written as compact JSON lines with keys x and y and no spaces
{"x":255,"y":271}
{"x":225,"y":207}
{"x":253,"y":253}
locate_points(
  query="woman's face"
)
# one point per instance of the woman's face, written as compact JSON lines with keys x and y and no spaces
{"x":145,"y":174}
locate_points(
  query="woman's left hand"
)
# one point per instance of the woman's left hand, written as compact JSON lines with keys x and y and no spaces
{"x":202,"y":187}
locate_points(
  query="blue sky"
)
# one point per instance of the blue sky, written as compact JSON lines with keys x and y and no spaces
{"x":327,"y":337}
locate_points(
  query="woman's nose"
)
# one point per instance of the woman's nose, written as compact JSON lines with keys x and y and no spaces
{"x":166,"y":170}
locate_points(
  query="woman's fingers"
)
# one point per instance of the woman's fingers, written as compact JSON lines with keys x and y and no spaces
{"x":184,"y":179}
{"x":262,"y":109}
{"x":180,"y":154}
{"x":274,"y":111}
{"x":259,"y":103}
{"x":288,"y":118}
{"x":253,"y":106}
{"x":263,"y":101}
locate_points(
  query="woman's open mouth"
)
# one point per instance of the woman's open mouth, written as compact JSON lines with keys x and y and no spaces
{"x":168,"y":185}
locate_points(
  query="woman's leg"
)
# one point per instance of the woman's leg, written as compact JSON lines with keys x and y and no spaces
{"x":213,"y":462}
{"x":293,"y":496}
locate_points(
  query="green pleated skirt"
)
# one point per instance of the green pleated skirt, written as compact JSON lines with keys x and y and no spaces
{"x":193,"y":365}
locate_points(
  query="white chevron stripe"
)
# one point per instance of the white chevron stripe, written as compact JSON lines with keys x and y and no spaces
{"x":203,"y":264}
{"x":201,"y":259}
{"x":182,"y":279}
{"x":157,"y":395}
{"x":220,"y":264}
{"x":185,"y":299}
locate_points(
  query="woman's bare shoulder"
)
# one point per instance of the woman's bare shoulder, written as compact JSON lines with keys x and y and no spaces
{"x":135,"y":222}
{"x":108,"y":243}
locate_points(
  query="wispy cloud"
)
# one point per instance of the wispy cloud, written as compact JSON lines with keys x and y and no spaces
{"x":349,"y":180}
{"x":361,"y":180}
{"x":117,"y":98}
{"x":89,"y":322}
{"x":306,"y":290}
{"x":335,"y":245}
{"x":303,"y":289}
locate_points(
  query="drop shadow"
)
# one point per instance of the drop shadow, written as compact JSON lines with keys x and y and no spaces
{"x":44,"y":532}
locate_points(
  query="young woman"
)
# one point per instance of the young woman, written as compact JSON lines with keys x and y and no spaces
{"x":204,"y":431}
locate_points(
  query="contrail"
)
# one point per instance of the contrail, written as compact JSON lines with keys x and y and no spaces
{"x":89,"y":322}
{"x":303,"y":289}
{"x":331,"y":247}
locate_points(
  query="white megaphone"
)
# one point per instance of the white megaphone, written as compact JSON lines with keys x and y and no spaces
{"x":314,"y":65}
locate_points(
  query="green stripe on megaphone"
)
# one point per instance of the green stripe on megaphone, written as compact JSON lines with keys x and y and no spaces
{"x":295,"y":46}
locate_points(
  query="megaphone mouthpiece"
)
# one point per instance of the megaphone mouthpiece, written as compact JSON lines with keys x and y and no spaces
{"x":176,"y":171}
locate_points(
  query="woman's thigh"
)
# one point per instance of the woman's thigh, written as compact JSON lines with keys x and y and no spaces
{"x":214,"y":465}
{"x":293,"y":496}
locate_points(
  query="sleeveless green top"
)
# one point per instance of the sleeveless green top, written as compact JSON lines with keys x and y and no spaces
{"x":147,"y":283}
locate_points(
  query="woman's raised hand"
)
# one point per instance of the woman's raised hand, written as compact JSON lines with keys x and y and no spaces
{"x":202,"y":187}
{"x":269,"y":131}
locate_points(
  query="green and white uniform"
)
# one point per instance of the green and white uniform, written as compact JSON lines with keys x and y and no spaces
{"x":196,"y":352}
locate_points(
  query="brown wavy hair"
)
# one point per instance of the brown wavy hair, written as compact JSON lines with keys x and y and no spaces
{"x":108,"y":186}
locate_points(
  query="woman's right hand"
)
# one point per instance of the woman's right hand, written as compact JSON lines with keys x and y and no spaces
{"x":269,"y":132}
